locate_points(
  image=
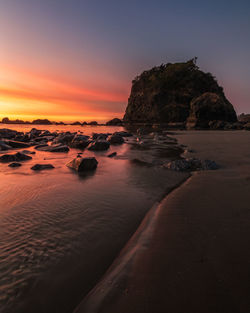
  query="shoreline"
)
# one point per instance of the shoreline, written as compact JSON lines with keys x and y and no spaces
{"x":197,"y":257}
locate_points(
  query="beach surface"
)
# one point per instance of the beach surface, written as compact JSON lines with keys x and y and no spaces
{"x":191,"y":253}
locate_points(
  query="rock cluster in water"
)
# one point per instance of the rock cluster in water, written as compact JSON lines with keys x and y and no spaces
{"x":154,"y":149}
{"x":179,"y":94}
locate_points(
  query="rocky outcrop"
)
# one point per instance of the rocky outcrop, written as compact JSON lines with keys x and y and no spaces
{"x":210,"y":107}
{"x":173,"y":93}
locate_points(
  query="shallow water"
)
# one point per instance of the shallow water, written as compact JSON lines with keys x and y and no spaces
{"x":59,"y":231}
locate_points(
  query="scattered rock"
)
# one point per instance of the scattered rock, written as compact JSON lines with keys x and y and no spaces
{"x":15,"y":164}
{"x":123,"y":134}
{"x":99,"y":145}
{"x":17,"y":144}
{"x":83,"y":164}
{"x":192,"y":164}
{"x":40,"y":167}
{"x":116,"y":139}
{"x":111,"y":155}
{"x":55,"y":148}
{"x":6,"y":158}
{"x":99,"y":136}
{"x":28,"y":152}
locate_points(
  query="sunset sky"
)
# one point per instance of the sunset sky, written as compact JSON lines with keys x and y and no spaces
{"x":74,"y":59}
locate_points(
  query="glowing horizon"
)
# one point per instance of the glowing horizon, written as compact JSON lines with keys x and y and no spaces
{"x":75,"y":60}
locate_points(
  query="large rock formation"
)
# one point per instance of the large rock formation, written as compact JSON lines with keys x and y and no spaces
{"x":164,"y":95}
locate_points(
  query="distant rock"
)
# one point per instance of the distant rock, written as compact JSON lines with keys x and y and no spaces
{"x":93,"y":123}
{"x":40,"y":167}
{"x":171,"y":93}
{"x":115,"y":122}
{"x":42,"y":122}
{"x":83,"y":164}
{"x":76,"y":123}
{"x":244,"y":118}
{"x":99,"y":145}
{"x":192,"y":164}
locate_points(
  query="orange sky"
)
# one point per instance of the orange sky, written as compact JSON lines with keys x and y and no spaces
{"x":27,"y":95}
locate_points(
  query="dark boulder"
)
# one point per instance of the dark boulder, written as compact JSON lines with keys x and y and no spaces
{"x":83,"y":164}
{"x":6,"y":158}
{"x":111,"y":155}
{"x":210,"y":107}
{"x":54,"y":148}
{"x":17,"y":144}
{"x":99,"y":145}
{"x":7,"y":133}
{"x":15,"y":164}
{"x":40,"y":167}
{"x":116,"y":139}
{"x":164,"y":95}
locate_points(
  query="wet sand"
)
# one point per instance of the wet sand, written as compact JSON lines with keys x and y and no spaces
{"x":191,"y":254}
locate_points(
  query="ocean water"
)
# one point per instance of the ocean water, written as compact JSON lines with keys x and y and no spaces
{"x":60,"y":231}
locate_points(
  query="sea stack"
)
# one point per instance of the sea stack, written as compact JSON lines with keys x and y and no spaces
{"x":178,"y":93}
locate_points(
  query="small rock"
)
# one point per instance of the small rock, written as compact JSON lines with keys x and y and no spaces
{"x":15,"y":164}
{"x":116,"y":139}
{"x":40,"y":167}
{"x":192,"y":164}
{"x":111,"y":155}
{"x":83,"y":164}
{"x":6,"y":158}
{"x":100,"y":145}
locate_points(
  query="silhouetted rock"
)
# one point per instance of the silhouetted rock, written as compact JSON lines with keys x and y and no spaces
{"x":123,"y":134}
{"x":210,"y":107}
{"x":164,"y":95}
{"x":100,"y":145}
{"x":83,"y":164}
{"x":93,"y":123}
{"x":42,"y":122}
{"x":7,"y":133}
{"x":116,"y":139}
{"x":6,"y":158}
{"x":54,"y":148}
{"x":17,"y":144}
{"x":115,"y":122}
{"x":64,"y":138}
{"x":76,"y":123}
{"x":15,"y":164}
{"x":80,"y":142}
{"x":111,"y":155}
{"x":40,"y":167}
{"x":100,"y":136}
{"x":4,"y":146}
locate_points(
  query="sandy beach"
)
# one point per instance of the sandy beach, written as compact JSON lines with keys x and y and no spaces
{"x":191,"y":253}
